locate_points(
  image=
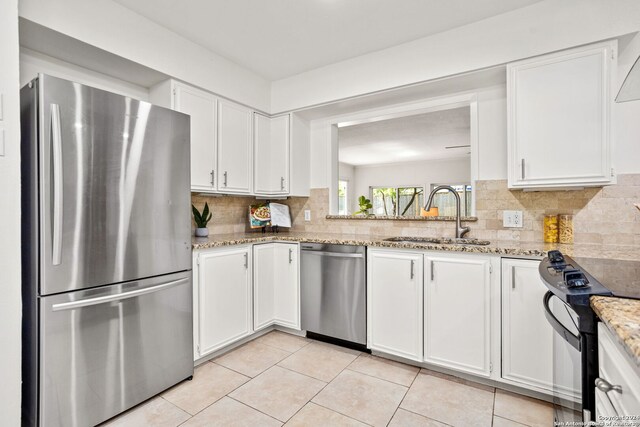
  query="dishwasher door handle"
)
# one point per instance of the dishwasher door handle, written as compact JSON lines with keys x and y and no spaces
{"x":333,"y":254}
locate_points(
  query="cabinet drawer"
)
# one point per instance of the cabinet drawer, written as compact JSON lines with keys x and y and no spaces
{"x":616,"y":369}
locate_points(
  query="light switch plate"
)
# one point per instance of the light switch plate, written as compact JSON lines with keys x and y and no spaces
{"x":512,"y":219}
{"x":307,"y":215}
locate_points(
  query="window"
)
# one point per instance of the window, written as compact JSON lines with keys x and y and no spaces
{"x":397,"y":201}
{"x":343,"y":200}
{"x":446,"y":202}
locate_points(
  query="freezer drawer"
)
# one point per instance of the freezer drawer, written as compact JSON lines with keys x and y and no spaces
{"x":333,"y":291}
{"x":105,"y":350}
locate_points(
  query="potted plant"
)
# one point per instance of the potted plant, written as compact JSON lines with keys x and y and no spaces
{"x":201,"y":220}
{"x":365,"y":205}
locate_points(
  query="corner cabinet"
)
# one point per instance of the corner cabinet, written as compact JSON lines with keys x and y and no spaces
{"x":457,"y":312}
{"x":235,"y":153}
{"x":559,"y":118}
{"x":272,"y":139}
{"x":528,"y":340}
{"x":276,"y":285}
{"x":222,"y":298}
{"x":202,"y":107}
{"x":394,"y":303}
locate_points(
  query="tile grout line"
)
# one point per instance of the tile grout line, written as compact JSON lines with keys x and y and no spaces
{"x":403,"y":397}
{"x":256,"y":409}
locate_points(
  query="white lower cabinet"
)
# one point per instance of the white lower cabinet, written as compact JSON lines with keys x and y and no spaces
{"x":457,"y":312}
{"x":527,"y":337}
{"x":618,"y":383}
{"x":223,"y":298}
{"x":276,"y":290}
{"x":394,"y":303}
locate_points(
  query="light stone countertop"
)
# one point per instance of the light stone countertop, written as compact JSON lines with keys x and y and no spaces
{"x":622,"y":318}
{"x":505,"y":248}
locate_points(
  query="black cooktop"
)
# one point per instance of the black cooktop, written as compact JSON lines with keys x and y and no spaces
{"x":574,"y":280}
{"x":621,"y":277}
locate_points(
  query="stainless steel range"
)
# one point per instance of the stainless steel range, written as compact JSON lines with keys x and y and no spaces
{"x":107,"y":297}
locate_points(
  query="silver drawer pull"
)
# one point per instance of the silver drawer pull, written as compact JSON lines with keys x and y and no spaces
{"x":605,"y":386}
{"x":412,"y":268}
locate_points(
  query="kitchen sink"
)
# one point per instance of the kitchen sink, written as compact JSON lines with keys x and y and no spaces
{"x":438,"y":240}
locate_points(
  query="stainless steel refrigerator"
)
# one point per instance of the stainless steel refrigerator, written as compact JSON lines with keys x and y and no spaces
{"x":107,"y":293}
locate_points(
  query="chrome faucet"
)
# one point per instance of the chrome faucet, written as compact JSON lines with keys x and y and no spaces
{"x":460,"y":230}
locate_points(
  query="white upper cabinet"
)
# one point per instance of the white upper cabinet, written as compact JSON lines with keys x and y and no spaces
{"x":457,"y":312}
{"x":235,"y":151}
{"x":559,"y":118}
{"x":272,"y":151}
{"x":201,"y":106}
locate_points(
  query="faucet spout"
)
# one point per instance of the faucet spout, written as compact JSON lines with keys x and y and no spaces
{"x":460,"y":230}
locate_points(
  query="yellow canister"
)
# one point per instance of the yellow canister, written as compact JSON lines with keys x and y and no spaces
{"x":550,"y":228}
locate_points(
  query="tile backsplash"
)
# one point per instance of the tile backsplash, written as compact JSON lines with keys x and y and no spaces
{"x":601,"y":215}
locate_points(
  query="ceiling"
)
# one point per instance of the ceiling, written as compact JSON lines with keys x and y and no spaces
{"x":406,"y":139}
{"x":280,"y":38}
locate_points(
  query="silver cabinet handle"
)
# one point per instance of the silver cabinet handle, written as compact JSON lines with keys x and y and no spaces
{"x":513,"y":277}
{"x":432,"y":270}
{"x":412,"y":268}
{"x":522,"y":168}
{"x":117,"y":297}
{"x":56,"y":148}
{"x":225,"y":179}
{"x":605,"y":386}
{"x":246,"y":260}
{"x":290,"y":256}
{"x":213,"y":174}
{"x":282,"y":183}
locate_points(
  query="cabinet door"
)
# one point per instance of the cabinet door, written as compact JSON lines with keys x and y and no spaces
{"x":394,"y":303}
{"x":287,"y":286}
{"x":264,"y":293}
{"x":457,"y":313}
{"x":271,"y":159}
{"x":559,"y":118}
{"x":527,"y":337}
{"x":234,"y":148}
{"x":224,"y":298}
{"x":201,"y":106}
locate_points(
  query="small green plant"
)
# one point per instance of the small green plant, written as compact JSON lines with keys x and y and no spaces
{"x":364,"y":204}
{"x":203,"y":218}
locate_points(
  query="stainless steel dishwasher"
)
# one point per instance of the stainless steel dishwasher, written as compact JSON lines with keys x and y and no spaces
{"x":333,"y":288}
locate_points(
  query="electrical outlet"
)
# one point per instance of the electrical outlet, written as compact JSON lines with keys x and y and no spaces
{"x":307,"y":215}
{"x":512,"y":219}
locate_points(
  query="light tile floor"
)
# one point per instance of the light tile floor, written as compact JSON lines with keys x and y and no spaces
{"x":281,"y":379}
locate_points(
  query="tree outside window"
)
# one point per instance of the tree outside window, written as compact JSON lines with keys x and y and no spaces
{"x":397,"y":201}
{"x":446,"y":202}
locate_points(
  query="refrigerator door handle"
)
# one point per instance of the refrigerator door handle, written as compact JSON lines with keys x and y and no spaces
{"x":56,"y":148}
{"x":117,"y":297}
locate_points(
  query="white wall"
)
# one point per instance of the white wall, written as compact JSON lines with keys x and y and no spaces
{"x":540,"y":28}
{"x":10,"y":303}
{"x":116,"y":29}
{"x":32,"y":63}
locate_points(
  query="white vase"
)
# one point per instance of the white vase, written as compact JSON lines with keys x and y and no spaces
{"x":202,"y":232}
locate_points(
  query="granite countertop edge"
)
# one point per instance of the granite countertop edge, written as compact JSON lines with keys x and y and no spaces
{"x":401,"y":218}
{"x":622,"y":317}
{"x":478,"y":249}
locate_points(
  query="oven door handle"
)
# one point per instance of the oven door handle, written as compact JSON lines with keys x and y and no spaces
{"x":565,"y":333}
